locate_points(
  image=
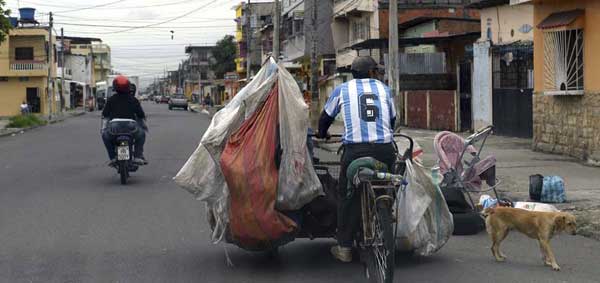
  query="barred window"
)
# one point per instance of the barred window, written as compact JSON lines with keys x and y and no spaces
{"x":563,"y":62}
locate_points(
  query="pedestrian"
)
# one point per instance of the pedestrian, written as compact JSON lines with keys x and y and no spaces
{"x":25,"y":108}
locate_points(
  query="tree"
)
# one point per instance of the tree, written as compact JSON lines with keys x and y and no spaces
{"x":224,"y":55}
{"x":4,"y":23}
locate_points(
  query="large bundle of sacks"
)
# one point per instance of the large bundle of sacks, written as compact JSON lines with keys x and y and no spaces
{"x":252,"y":163}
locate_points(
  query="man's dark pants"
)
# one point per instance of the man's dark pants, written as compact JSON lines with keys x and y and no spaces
{"x":349,"y":208}
{"x":139,"y":138}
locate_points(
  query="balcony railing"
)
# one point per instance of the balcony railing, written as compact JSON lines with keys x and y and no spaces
{"x":103,"y":65}
{"x":28,"y":66}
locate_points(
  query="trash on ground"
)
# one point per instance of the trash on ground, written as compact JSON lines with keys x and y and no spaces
{"x":536,"y":206}
{"x":486,"y":201}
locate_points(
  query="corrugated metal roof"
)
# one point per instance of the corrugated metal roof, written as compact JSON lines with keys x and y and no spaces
{"x":560,"y":19}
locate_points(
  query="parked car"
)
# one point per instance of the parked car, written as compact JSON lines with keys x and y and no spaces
{"x":178,"y":101}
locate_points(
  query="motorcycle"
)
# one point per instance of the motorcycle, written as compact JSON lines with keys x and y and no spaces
{"x":122,"y":132}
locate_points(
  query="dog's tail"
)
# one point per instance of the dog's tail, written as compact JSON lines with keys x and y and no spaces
{"x":488,"y":211}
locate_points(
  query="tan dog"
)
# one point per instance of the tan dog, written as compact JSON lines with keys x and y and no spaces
{"x":536,"y":225}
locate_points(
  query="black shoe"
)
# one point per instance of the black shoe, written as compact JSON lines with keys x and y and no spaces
{"x":112,"y":162}
{"x":140,"y":161}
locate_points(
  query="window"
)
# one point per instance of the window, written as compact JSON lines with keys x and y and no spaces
{"x":360,"y":30}
{"x":24,"y":53}
{"x":422,"y":63}
{"x":203,"y":56}
{"x":563,"y":62}
{"x":298,"y":26}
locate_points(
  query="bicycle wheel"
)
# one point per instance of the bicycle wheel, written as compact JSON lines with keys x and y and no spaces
{"x":381,"y":254}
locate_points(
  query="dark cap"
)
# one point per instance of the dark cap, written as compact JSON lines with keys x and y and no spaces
{"x":363,"y":64}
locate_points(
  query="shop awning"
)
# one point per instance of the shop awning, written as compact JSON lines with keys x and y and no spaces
{"x":561,"y":19}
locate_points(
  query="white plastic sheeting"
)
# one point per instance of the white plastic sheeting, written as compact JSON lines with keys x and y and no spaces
{"x":298,"y":183}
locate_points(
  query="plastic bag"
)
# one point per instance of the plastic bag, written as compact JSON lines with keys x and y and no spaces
{"x":553,"y":190}
{"x":298,"y":184}
{"x":425,"y":223}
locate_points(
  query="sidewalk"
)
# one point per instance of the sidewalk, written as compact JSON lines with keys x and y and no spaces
{"x":55,"y":119}
{"x":516,"y":162}
{"x":197,"y":108}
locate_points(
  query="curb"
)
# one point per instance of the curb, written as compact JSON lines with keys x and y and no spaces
{"x":19,"y":130}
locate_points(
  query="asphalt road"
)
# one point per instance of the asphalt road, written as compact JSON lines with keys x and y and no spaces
{"x":64,"y":217}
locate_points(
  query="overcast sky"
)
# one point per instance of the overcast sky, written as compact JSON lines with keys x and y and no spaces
{"x":145,"y":51}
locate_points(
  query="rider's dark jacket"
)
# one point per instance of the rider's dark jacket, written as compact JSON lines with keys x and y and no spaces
{"x":123,"y":106}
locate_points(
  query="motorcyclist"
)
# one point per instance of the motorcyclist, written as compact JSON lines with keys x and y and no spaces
{"x":369,"y":116}
{"x":124,"y":106}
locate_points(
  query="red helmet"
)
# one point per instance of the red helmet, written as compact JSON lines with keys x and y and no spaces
{"x":121,"y":84}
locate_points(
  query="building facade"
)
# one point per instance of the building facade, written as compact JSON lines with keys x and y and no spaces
{"x":566,"y":102}
{"x":100,"y":53}
{"x":292,"y":32}
{"x":502,"y":66}
{"x":433,"y":38}
{"x":27,"y":71}
{"x":353,"y":23}
{"x":196,"y":73}
{"x":250,"y":19}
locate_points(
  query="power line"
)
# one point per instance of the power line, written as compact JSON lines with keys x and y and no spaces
{"x":167,"y":21}
{"x":203,"y":20}
{"x":92,"y":7}
{"x":142,"y":27}
{"x":114,"y":8}
{"x":167,"y":44}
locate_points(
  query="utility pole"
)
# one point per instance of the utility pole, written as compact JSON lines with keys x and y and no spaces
{"x":393,"y":63}
{"x":276,"y":30}
{"x":62,"y":59}
{"x":102,"y":77}
{"x":314,"y":64}
{"x":49,"y":59}
{"x":248,"y":40}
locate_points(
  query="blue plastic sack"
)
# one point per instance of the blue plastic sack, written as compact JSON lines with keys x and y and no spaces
{"x":553,"y":190}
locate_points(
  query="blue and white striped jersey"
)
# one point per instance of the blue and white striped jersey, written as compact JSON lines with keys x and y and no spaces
{"x":367,"y":108}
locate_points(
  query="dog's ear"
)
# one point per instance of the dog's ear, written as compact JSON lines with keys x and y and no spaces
{"x":560,"y":222}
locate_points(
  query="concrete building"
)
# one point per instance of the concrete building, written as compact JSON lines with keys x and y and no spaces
{"x":353,"y":23}
{"x":433,"y":38}
{"x":251,"y":18}
{"x":78,"y":79}
{"x":196,"y":71}
{"x":78,"y":74}
{"x":25,"y":70}
{"x":502,"y":83}
{"x":566,"y":101}
{"x":99,"y":51}
{"x":292,"y":32}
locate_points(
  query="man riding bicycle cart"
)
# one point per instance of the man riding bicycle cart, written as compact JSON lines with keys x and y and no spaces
{"x":263,"y":188}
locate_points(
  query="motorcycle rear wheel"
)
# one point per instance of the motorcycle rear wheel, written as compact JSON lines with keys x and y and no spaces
{"x":124,"y":172}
